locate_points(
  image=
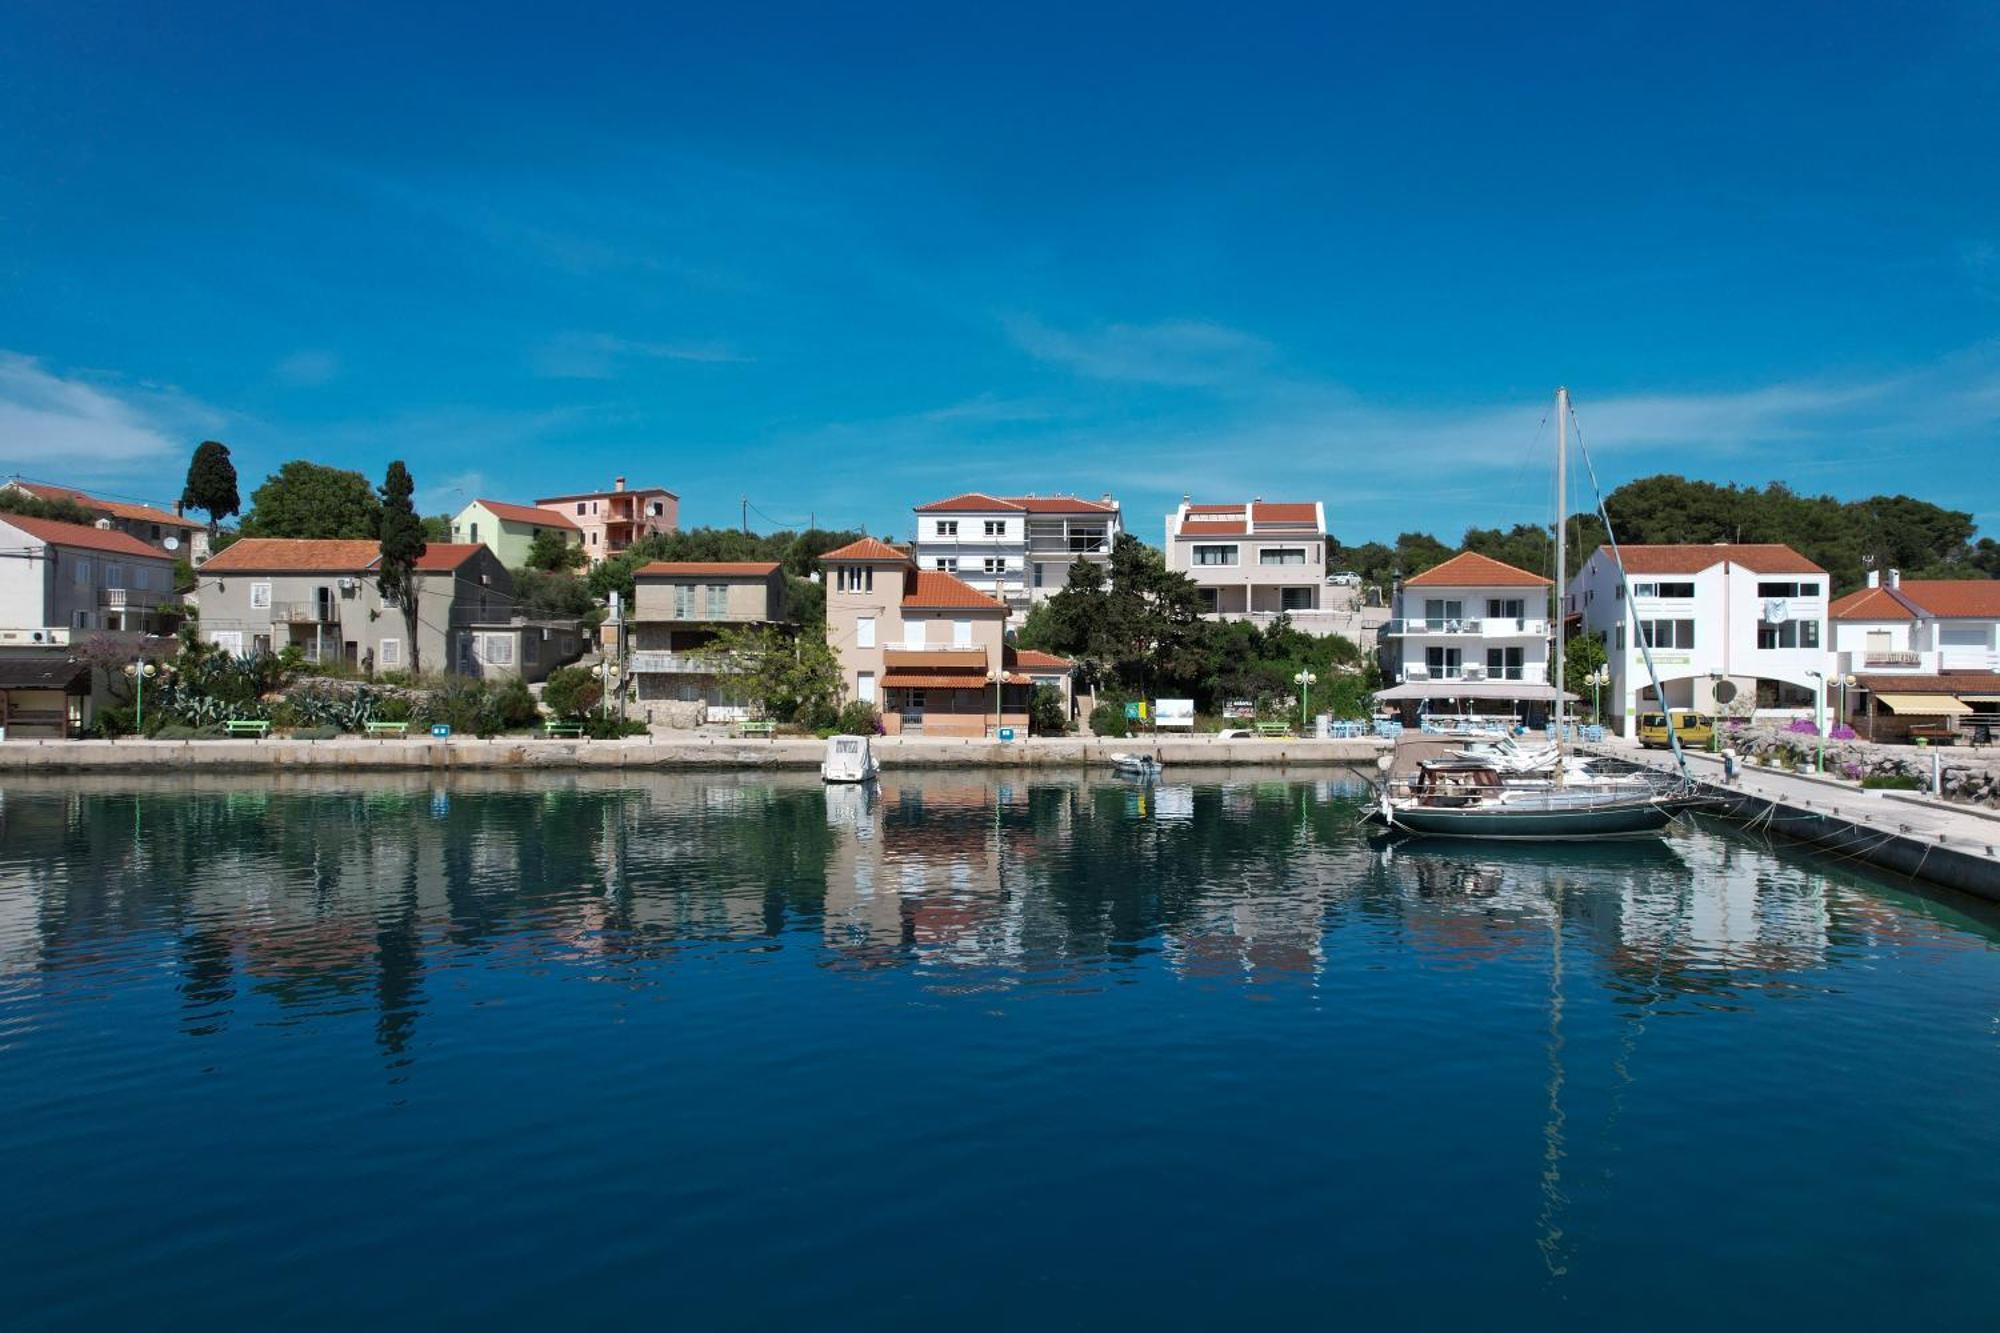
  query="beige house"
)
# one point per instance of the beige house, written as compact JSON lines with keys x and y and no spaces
{"x":609,"y":521}
{"x":927,"y":650}
{"x":1255,"y":561}
{"x":263,"y":594}
{"x":509,"y":530}
{"x":678,"y":608}
{"x":162,"y":529}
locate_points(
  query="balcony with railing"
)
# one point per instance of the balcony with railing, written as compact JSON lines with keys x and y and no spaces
{"x":1470,"y":627}
{"x":131,"y":599}
{"x":683,"y":664}
{"x":306,"y":613}
{"x":1529,"y":673}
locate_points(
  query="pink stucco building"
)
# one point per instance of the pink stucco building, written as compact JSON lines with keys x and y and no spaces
{"x":612,"y":520}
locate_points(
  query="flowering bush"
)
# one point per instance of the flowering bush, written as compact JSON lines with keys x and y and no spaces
{"x":1842,"y":732}
{"x":1852,"y":771}
{"x":1802,"y":726}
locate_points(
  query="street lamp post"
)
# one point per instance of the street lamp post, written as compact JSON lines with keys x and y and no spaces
{"x":1819,"y":720}
{"x":139,"y":673}
{"x":1305,"y":681}
{"x":1599,"y":677}
{"x":606,"y":672}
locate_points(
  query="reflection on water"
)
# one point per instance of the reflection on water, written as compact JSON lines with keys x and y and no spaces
{"x":1000,"y":954}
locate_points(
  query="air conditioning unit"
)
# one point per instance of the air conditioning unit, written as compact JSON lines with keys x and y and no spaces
{"x":350,"y":585}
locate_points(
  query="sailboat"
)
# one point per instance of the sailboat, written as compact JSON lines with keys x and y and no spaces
{"x":1472,"y":795}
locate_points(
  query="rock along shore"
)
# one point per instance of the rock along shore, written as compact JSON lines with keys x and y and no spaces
{"x":353,"y":753}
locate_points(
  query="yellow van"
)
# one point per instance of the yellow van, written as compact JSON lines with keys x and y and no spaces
{"x":1696,"y":730}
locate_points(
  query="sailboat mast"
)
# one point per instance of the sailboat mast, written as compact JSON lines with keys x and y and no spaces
{"x":1562,"y":494}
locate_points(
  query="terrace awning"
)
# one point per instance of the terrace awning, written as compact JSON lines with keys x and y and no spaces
{"x":933,"y":680}
{"x":1923,"y":705}
{"x":1531,"y":690}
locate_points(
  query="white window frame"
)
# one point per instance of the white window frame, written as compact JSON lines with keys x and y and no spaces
{"x":496,"y":649}
{"x":228,"y":640}
{"x":961,"y":633}
{"x":996,"y":527}
{"x":864,"y":632}
{"x":947,"y":564}
{"x":389,"y":656}
{"x":914,"y":636}
{"x":864,"y":687}
{"x":947,"y":527}
{"x":1234,"y":551}
{"x":1264,"y":554}
{"x":995,"y":564}
{"x":260,"y":596}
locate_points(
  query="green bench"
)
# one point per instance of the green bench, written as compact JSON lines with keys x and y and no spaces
{"x":388,"y":728}
{"x":768,"y":730}
{"x":554,"y":728}
{"x":1274,"y":730}
{"x":255,"y":727}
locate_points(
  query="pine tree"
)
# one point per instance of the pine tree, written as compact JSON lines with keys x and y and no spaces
{"x":402,"y":546}
{"x":211,"y":484}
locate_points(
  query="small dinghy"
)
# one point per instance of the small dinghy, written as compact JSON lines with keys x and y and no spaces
{"x":1136,"y":765}
{"x":848,"y":759}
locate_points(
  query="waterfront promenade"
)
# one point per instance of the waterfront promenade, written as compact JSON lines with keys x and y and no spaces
{"x":657,"y":751}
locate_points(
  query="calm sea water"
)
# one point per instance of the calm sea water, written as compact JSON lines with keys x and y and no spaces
{"x":739,"y":1052}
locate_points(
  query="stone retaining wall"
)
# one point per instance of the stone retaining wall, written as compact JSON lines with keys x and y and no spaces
{"x":1970,"y":776}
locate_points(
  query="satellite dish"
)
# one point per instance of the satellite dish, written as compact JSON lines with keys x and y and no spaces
{"x":172,"y":543}
{"x":1725,"y":691}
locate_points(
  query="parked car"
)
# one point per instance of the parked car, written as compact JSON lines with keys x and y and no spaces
{"x":1696,"y":730}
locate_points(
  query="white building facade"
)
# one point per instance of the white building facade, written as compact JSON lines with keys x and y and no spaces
{"x":1912,"y":656}
{"x":1015,"y":549}
{"x":1471,"y":635}
{"x":1256,"y":561}
{"x":1734,"y":628}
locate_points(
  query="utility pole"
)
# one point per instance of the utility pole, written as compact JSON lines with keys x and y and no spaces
{"x":746,"y":516}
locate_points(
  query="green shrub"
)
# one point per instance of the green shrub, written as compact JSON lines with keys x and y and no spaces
{"x":179,"y":731}
{"x":319,"y":733}
{"x":1108,"y":719}
{"x":1893,"y":782}
{"x":514,"y":703}
{"x":393,"y":708}
{"x":114,"y":721}
{"x":1047,"y":716}
{"x":857,"y":719}
{"x":604,"y":727}
{"x":571,"y":693}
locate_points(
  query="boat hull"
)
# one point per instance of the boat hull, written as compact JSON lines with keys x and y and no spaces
{"x":1635,"y":819}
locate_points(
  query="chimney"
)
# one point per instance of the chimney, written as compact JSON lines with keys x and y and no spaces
{"x":1895,"y":578}
{"x":1874,"y":578}
{"x":1106,"y":500}
{"x":618,"y":483}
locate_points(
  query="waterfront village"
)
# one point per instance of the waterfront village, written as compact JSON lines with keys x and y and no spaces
{"x":332,"y":608}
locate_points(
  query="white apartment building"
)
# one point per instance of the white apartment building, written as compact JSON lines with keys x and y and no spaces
{"x":1471,"y":635}
{"x":1255,"y":561}
{"x":1015,"y":549}
{"x":1919,"y":652}
{"x":1733,"y":627}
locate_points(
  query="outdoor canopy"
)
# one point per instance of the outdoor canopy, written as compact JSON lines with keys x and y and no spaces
{"x":1534,"y":691}
{"x":1923,"y":705}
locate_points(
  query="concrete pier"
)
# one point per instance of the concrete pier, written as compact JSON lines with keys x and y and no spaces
{"x":1902,"y":833}
{"x":354,"y":753}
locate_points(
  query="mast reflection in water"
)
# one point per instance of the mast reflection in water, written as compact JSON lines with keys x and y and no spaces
{"x":964,"y":1050}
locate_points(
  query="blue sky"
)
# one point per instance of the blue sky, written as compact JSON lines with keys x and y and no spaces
{"x":843,"y":260}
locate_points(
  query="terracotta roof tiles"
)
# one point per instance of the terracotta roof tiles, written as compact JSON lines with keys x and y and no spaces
{"x":1975,"y":599}
{"x":135,"y":513}
{"x":107,"y":540}
{"x":287,"y":555}
{"x":935,"y":588}
{"x":707,"y":569}
{"x":1869,"y":604}
{"x":1757,"y":557}
{"x":868,"y":548}
{"x":513,"y":513}
{"x":1469,"y":569}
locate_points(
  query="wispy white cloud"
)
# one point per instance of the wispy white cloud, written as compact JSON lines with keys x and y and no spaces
{"x":87,"y":426}
{"x":601,"y":356}
{"x":308,"y":368}
{"x":1187,"y":352}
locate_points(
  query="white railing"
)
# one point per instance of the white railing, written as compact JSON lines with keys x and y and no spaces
{"x":680,"y":664}
{"x":1482,"y":627}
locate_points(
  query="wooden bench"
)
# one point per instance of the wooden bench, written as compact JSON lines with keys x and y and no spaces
{"x":1274,"y":730}
{"x":388,"y":728}
{"x":255,"y":727}
{"x":768,"y":730}
{"x":555,"y":728}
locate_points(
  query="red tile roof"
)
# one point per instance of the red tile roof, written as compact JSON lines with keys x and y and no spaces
{"x":975,"y":502}
{"x":706,"y":569}
{"x":1869,"y":604}
{"x":868,"y":548}
{"x":84,"y":538}
{"x":1469,"y":569}
{"x":935,"y":588}
{"x":935,"y":680}
{"x":1758,"y":558}
{"x":116,"y":508}
{"x":1203,"y":527}
{"x":971,"y":501}
{"x":1061,"y":504}
{"x":440,"y":556}
{"x":1307,"y":512}
{"x":1216,"y":509}
{"x":513,"y":513}
{"x":287,"y":555}
{"x":605,"y":495}
{"x":1962,"y":682}
{"x":1030,"y":659}
{"x":1977,"y":599}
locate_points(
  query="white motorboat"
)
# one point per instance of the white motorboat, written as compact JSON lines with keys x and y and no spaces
{"x":849,"y":759}
{"x":1136,"y":765}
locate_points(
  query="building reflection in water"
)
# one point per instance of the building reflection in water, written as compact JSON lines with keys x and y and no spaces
{"x":315,"y":898}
